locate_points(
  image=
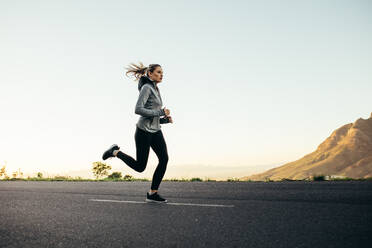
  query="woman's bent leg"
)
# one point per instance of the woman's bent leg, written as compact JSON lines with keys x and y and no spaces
{"x":143,"y":140}
{"x":160,"y":148}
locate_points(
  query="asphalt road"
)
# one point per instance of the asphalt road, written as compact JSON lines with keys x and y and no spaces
{"x":199,"y":214}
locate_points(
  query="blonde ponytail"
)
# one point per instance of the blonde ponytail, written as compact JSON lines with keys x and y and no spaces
{"x":136,"y":70}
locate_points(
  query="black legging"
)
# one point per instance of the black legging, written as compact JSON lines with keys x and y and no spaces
{"x":144,"y":140}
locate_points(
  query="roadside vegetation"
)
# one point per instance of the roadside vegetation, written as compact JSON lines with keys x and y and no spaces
{"x":106,"y":179}
{"x":101,"y":172}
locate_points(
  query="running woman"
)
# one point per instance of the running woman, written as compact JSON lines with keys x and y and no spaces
{"x":148,"y":130}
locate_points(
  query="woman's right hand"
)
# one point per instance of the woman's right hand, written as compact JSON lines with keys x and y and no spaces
{"x":166,"y":111}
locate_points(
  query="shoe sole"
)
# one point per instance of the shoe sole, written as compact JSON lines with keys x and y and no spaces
{"x":149,"y":200}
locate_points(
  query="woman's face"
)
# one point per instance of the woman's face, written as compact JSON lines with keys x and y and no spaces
{"x":156,"y":75}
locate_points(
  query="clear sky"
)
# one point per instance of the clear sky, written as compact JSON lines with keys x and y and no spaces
{"x":247,"y":82}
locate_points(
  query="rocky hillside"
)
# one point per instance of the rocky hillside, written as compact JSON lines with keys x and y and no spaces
{"x":346,"y":152}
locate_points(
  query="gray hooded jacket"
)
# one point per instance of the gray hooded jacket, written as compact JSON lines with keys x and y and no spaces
{"x":149,"y":105}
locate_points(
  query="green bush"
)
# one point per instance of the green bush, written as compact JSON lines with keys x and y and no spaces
{"x":115,"y":175}
{"x":196,"y":179}
{"x":318,"y":178}
{"x":128,"y":178}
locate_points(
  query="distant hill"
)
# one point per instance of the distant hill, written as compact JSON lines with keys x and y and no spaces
{"x":347,"y":152}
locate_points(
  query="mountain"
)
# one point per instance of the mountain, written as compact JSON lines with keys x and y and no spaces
{"x":346,"y":152}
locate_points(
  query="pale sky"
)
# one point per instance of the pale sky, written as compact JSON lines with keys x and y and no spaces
{"x":247,"y":82}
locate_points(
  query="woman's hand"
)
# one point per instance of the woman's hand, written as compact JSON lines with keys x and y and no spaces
{"x":166,"y":111}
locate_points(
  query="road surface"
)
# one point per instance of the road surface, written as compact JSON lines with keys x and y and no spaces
{"x":198,"y":214}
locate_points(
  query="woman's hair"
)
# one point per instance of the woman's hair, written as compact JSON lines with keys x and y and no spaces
{"x":139,"y":70}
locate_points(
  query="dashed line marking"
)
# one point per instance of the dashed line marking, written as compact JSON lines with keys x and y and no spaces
{"x":167,"y":203}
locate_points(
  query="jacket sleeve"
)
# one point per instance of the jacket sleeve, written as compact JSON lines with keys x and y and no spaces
{"x":140,"y":105}
{"x":164,"y":120}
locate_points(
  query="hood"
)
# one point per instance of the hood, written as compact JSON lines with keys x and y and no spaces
{"x":144,"y":80}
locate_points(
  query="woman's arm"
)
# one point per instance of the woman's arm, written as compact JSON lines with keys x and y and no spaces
{"x":140,"y":105}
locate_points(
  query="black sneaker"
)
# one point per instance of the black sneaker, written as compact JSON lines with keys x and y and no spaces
{"x":108,"y":153}
{"x":155,"y":198}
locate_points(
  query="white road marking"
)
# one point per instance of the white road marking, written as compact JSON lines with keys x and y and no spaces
{"x":168,"y":203}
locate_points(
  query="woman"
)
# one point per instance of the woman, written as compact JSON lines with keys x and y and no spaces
{"x":148,"y":130}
